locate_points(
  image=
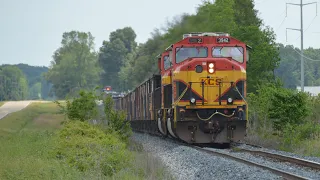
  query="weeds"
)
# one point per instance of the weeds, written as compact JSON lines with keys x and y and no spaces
{"x":102,"y":148}
{"x":284,"y":119}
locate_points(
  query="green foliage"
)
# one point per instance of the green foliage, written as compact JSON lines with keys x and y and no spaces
{"x":13,"y":83}
{"x":259,"y":106}
{"x":239,"y":18}
{"x":87,"y":147}
{"x":284,"y":119}
{"x":35,"y":91}
{"x":26,"y":155}
{"x":116,"y":120}
{"x":27,"y":138}
{"x":74,"y":65}
{"x":289,"y":68}
{"x":113,"y":53}
{"x":314,"y":106}
{"x":275,"y":107}
{"x":295,"y":135}
{"x":81,"y":108}
{"x":33,"y":75}
{"x":288,"y":107}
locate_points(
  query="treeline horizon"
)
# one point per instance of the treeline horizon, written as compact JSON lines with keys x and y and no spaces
{"x":122,"y":63}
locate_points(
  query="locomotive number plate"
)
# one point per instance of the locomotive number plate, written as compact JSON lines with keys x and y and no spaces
{"x":195,"y":40}
{"x":211,"y":81}
{"x":223,"y":40}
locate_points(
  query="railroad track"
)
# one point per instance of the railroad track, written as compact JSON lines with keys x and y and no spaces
{"x":282,"y":173}
{"x":277,"y":157}
{"x":293,"y":160}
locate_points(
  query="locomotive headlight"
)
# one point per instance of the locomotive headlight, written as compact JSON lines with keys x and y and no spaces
{"x":229,"y":100}
{"x":211,"y":68}
{"x":192,"y":100}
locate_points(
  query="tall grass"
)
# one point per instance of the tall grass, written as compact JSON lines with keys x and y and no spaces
{"x":26,"y":145}
{"x":1,"y":103}
{"x":36,"y":145}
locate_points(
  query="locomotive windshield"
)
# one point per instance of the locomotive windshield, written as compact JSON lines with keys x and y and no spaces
{"x":235,"y":53}
{"x":184,"y":53}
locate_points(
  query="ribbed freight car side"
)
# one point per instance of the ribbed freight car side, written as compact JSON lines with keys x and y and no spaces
{"x":141,"y":105}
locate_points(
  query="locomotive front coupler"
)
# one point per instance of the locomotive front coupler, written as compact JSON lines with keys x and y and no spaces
{"x":212,"y":126}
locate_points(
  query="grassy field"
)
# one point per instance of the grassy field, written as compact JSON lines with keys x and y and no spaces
{"x":25,"y":139}
{"x":1,"y":103}
{"x":28,"y":139}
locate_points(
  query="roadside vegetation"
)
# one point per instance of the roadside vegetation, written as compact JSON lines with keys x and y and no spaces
{"x":1,"y":103}
{"x":285,"y":119}
{"x":59,"y":141}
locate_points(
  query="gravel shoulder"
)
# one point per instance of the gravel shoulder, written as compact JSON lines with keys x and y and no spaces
{"x":187,"y":163}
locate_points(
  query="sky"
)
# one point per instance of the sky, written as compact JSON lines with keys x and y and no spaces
{"x":32,"y":30}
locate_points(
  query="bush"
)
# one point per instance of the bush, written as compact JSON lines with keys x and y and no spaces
{"x":275,"y":107}
{"x":81,"y":108}
{"x":314,"y":106}
{"x":288,"y":107}
{"x":117,"y":120}
{"x":259,"y":106}
{"x":88,"y":148}
{"x":284,"y":119}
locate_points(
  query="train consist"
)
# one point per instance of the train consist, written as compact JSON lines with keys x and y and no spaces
{"x":115,"y":95}
{"x":198,"y":95}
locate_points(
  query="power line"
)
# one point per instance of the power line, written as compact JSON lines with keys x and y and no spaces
{"x":301,"y":31}
{"x":315,"y":60}
{"x":308,"y":26}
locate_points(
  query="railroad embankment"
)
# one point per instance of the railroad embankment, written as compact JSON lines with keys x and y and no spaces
{"x":45,"y":141}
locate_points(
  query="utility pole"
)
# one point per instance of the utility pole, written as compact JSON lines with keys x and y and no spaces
{"x":301,"y":31}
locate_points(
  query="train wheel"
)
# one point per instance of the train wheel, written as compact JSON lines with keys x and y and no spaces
{"x":169,"y":127}
{"x":162,"y":128}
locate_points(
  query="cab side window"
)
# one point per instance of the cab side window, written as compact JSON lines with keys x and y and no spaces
{"x":166,"y":62}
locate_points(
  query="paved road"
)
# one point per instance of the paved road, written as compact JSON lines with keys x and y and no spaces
{"x":13,"y":106}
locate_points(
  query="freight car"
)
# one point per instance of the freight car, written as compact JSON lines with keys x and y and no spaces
{"x":199,"y":94}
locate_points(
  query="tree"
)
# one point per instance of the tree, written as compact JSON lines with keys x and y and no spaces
{"x":35,"y":91}
{"x":74,"y":65}
{"x":33,"y":75}
{"x":113,"y":53}
{"x":289,"y":68}
{"x":232,"y":16}
{"x":13,"y":83}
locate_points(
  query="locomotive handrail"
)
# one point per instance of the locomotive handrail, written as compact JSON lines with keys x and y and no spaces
{"x":180,"y":97}
{"x":241,"y":95}
{"x":247,"y":113}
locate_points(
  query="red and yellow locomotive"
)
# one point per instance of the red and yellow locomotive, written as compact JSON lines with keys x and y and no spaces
{"x":199,"y":96}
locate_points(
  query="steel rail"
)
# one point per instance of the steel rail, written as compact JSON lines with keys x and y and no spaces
{"x":284,"y":174}
{"x":298,"y":161}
